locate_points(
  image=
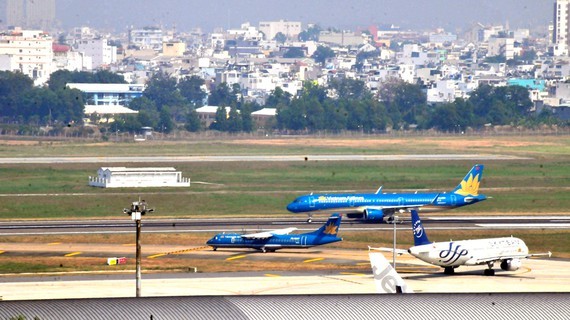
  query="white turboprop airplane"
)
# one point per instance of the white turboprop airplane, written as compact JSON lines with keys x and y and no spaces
{"x":452,"y":254}
{"x":386,"y":278}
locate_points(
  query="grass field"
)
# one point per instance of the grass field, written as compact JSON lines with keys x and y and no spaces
{"x":539,"y":185}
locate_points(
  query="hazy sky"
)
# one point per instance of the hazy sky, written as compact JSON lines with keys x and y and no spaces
{"x":409,"y":14}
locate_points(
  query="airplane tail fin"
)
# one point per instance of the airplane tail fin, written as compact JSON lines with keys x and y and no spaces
{"x":420,"y":236}
{"x":330,"y":228}
{"x":469,"y":186}
{"x":386,"y":278}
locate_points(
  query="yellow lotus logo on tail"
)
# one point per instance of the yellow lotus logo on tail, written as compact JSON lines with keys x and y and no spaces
{"x":469,"y":186}
{"x":331,"y":229}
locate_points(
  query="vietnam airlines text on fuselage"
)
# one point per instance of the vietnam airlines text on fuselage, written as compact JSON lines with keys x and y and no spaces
{"x":427,"y":201}
{"x":377,"y":206}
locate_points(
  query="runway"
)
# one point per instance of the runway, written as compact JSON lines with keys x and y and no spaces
{"x":535,"y":276}
{"x":215,"y":225}
{"x":174,"y":159}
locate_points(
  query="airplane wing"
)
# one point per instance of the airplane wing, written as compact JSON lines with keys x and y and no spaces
{"x":385,"y":249}
{"x":515,"y":256}
{"x":268,"y":234}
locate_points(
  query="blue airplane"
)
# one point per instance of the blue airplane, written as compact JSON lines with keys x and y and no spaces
{"x":378,"y":207}
{"x":279,"y":239}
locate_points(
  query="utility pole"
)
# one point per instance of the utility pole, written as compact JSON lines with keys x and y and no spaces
{"x":394,"y":244}
{"x":136,"y":211}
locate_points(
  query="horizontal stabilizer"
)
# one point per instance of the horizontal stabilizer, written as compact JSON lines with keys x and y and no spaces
{"x":385,"y":249}
{"x":387,"y":280}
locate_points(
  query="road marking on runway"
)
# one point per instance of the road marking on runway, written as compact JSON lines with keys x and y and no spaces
{"x":353,"y":274}
{"x":54,"y":243}
{"x":235,"y":257}
{"x":313,"y":260}
{"x":73,"y":254}
{"x":178,"y":252}
{"x":1,"y":252}
{"x":363,"y":263}
{"x":272,"y":275}
{"x":525,"y":225}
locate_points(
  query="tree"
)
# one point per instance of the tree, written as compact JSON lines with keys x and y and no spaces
{"x":193,"y":123}
{"x":294,"y":52}
{"x":234,"y":123}
{"x":311,"y":34}
{"x":246,"y":120}
{"x":347,"y":88}
{"x":280,"y":37}
{"x":13,"y":85}
{"x":162,"y":90}
{"x":277,"y":97}
{"x":322,"y":54}
{"x":191,"y":89}
{"x":222,"y":95}
{"x":220,"y":122}
{"x":165,"y":123}
{"x":406,"y":103}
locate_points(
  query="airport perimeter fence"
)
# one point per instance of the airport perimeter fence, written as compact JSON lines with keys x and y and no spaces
{"x":263,"y":134}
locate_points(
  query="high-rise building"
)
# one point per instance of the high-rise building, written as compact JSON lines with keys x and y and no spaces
{"x":30,"y":14}
{"x":561,"y":31}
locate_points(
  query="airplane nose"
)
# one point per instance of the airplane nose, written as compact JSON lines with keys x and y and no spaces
{"x":291,"y":207}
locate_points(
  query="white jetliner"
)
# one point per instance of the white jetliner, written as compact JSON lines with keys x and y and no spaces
{"x":386,"y":278}
{"x":452,"y":254}
{"x":268,"y":234}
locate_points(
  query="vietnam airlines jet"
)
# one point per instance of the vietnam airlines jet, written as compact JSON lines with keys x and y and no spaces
{"x":452,"y":254}
{"x":279,"y":239}
{"x":375,"y":207}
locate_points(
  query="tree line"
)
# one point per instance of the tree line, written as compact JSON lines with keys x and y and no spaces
{"x":169,"y":104}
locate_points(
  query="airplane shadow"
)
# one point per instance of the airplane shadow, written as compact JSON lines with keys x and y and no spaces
{"x":283,"y":251}
{"x":462,"y":274}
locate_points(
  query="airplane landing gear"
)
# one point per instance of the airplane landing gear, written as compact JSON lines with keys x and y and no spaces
{"x":449,"y":270}
{"x":310,"y":219}
{"x":490,"y":271}
{"x":215,"y":248}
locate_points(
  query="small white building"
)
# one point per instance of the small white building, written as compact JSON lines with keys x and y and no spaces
{"x":122,"y":177}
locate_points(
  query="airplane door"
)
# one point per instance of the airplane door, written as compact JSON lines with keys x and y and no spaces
{"x":311,"y":202}
{"x":351,"y":201}
{"x":453,"y":199}
{"x":400,"y":201}
{"x":304,"y":240}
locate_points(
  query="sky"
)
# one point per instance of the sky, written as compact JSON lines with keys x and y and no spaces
{"x":451,"y":15}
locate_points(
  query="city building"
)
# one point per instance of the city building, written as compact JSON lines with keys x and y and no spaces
{"x":290,"y":29}
{"x":146,"y":38}
{"x":122,"y":177}
{"x":101,"y":53}
{"x":173,"y":49}
{"x":561,"y":31}
{"x":108,"y":94}
{"x":30,"y":14}
{"x":27,"y":51}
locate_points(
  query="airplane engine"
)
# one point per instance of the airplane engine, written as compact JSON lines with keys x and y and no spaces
{"x":373,"y":215}
{"x":511,"y":265}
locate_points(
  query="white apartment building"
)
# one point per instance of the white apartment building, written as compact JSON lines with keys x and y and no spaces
{"x":147,"y":38}
{"x":289,"y":28}
{"x":561,"y":31}
{"x":100,"y":52}
{"x":504,"y":47}
{"x":27,"y":51}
